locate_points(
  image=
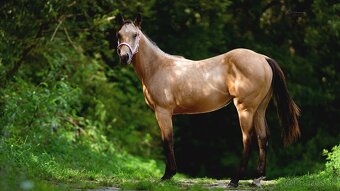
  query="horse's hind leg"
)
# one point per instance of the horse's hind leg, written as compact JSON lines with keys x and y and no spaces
{"x":262,"y":133}
{"x":246,"y":116}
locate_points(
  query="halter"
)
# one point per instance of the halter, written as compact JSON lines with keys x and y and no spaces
{"x":132,"y":52}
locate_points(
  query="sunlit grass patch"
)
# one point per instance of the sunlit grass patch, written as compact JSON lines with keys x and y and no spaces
{"x":318,"y":181}
{"x":77,"y":165}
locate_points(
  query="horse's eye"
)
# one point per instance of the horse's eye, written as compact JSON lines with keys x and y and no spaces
{"x":119,"y":35}
{"x":135,"y":35}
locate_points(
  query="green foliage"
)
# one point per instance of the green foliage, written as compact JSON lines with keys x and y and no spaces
{"x":64,"y":111}
{"x":72,"y":48}
{"x":333,"y":160}
{"x":36,"y":109}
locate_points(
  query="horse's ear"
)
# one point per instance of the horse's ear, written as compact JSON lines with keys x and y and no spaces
{"x":120,"y":19}
{"x":138,"y":20}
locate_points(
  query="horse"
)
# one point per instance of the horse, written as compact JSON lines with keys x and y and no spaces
{"x":176,"y":85}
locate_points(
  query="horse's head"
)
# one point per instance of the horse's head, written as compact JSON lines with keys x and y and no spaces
{"x":128,"y":36}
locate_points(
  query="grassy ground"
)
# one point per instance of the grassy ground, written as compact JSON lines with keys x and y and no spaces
{"x":63,"y":163}
{"x":319,"y":181}
{"x":24,"y":168}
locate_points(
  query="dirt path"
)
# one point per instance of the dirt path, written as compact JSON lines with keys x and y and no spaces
{"x":245,"y":185}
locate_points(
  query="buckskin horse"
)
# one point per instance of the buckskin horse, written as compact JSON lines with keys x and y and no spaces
{"x":175,"y":85}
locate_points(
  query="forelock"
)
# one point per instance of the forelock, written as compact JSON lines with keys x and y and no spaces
{"x":127,"y":22}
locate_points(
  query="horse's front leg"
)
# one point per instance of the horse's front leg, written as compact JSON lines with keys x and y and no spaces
{"x":164,"y":119}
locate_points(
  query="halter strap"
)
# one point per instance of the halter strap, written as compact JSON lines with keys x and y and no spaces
{"x":132,"y":51}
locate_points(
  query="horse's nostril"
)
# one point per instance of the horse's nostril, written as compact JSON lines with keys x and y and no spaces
{"x":124,"y":58}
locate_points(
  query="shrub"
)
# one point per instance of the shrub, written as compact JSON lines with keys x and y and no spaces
{"x":333,"y":160}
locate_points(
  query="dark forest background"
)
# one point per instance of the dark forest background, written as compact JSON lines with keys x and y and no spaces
{"x":61,"y":80}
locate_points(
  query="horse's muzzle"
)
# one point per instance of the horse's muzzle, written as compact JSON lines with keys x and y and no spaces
{"x":125,"y":58}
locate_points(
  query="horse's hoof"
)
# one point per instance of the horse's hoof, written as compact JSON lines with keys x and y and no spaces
{"x":232,"y":184}
{"x":168,"y":176}
{"x":257,"y":182}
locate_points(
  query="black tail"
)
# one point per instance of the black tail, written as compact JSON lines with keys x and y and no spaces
{"x":287,"y":110}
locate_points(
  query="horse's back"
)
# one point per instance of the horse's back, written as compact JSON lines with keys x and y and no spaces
{"x":242,"y":54}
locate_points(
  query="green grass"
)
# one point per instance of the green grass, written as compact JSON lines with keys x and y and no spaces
{"x":64,"y":163}
{"x":76,"y":166}
{"x":318,"y":181}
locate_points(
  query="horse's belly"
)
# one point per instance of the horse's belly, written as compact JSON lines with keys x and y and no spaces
{"x":201,"y":104}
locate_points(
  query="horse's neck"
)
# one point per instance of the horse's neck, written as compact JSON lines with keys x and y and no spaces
{"x":148,"y":59}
